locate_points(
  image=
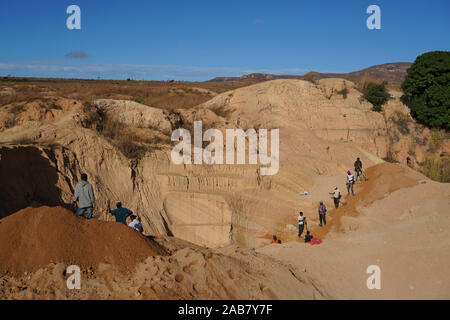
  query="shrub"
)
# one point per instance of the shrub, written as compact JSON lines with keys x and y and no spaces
{"x":377,"y":108}
{"x":93,"y":118}
{"x":18,"y":109}
{"x":131,"y":149}
{"x":344,"y":92}
{"x":426,"y":89}
{"x":376,"y":94}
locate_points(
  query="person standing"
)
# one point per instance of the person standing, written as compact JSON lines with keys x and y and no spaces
{"x":336,"y":196}
{"x":350,"y":182}
{"x":358,"y":169}
{"x":301,"y":223}
{"x":322,"y":214}
{"x":84,"y":194}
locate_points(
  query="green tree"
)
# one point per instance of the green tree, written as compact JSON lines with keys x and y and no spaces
{"x":427,"y":89}
{"x":376,"y":94}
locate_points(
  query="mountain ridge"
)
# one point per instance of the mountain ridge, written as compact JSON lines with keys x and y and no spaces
{"x":391,"y":72}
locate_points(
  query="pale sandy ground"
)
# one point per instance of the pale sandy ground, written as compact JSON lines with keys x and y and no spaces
{"x":405,"y":234}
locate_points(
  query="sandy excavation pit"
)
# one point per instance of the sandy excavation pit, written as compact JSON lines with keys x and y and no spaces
{"x":32,"y":179}
{"x":210,"y":226}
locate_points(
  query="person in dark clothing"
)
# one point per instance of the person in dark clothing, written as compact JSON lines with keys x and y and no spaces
{"x":322,"y":213}
{"x":308,"y":237}
{"x":120,"y":213}
{"x":358,"y":169}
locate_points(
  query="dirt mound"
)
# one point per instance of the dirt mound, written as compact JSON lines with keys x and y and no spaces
{"x":35,"y":237}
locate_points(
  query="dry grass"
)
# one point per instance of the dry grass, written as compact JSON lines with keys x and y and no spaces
{"x":436,"y":168}
{"x":437,"y":139}
{"x":222,"y":111}
{"x":159,"y":94}
{"x":134,"y":143}
{"x":401,"y":120}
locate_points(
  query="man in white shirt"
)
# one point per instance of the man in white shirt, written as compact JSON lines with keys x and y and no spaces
{"x":136,"y":224}
{"x":336,"y":196}
{"x":350,"y":182}
{"x":301,"y":223}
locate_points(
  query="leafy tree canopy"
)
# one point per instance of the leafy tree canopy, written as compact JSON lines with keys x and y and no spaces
{"x":376,"y":94}
{"x":427,"y":89}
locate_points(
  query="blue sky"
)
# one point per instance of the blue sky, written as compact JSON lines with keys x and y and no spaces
{"x":198,"y":40}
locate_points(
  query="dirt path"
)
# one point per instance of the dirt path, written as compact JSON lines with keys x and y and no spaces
{"x":384,"y":179}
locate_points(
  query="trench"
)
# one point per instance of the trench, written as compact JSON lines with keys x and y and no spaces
{"x":28,"y":178}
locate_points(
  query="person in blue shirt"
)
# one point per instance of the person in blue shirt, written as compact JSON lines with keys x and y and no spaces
{"x":120,"y":213}
{"x":322,"y":213}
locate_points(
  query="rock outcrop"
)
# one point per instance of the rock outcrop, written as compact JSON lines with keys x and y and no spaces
{"x":322,"y":131}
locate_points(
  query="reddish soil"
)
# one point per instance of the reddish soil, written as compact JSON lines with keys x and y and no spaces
{"x":384,"y":179}
{"x":35,"y":237}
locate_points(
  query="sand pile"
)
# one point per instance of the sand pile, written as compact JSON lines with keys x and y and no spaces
{"x":35,"y":237}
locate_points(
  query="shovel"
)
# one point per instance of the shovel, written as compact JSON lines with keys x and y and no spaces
{"x":341,"y":202}
{"x":364,"y":176}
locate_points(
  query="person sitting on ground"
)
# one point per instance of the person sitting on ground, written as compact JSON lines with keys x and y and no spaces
{"x":350,"y":182}
{"x":336,"y":196}
{"x":308,"y":237}
{"x":84,"y":194}
{"x":120,"y":213}
{"x":274,"y":239}
{"x":136,"y":223}
{"x":301,"y":223}
{"x":322,"y":214}
{"x":358,"y":169}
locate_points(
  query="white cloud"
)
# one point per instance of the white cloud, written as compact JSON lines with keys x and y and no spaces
{"x":121,"y":71}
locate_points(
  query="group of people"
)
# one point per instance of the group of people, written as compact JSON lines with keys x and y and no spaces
{"x":84,"y":195}
{"x":322,"y":210}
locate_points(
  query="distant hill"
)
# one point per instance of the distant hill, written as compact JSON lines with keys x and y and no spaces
{"x":255,"y":77}
{"x":392,"y":72}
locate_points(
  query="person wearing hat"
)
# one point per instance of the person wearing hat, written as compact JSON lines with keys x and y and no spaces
{"x":322,"y":213}
{"x":336,"y":196}
{"x":350,"y":182}
{"x":120,"y":213}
